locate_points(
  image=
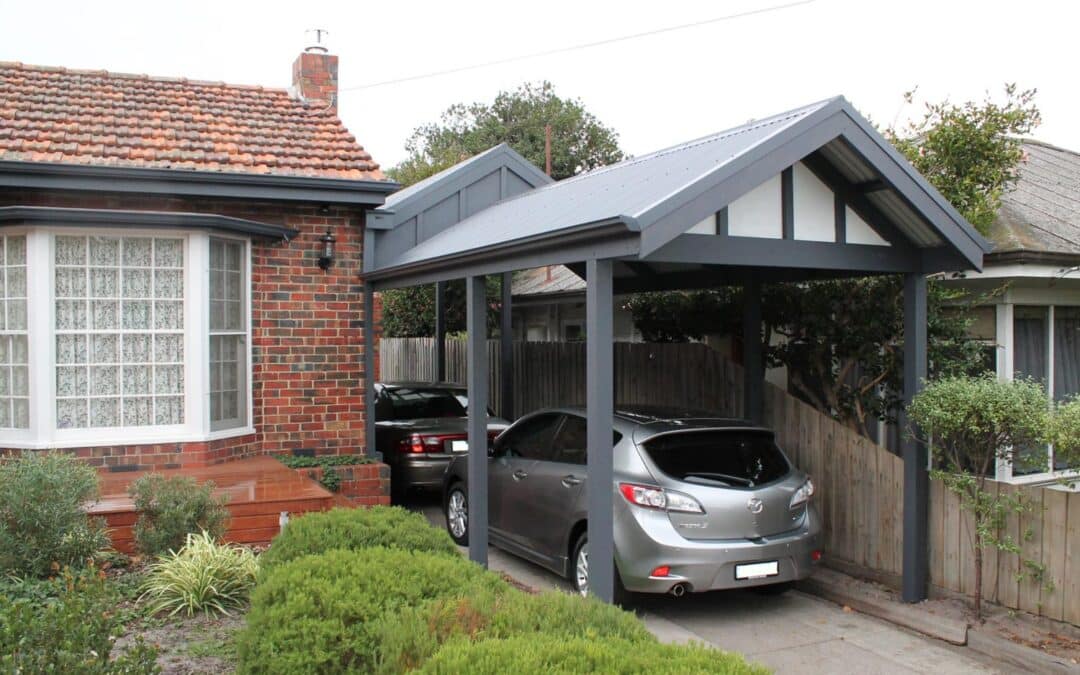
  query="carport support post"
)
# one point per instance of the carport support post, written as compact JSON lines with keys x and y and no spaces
{"x":369,"y":372}
{"x":506,"y":348}
{"x":600,"y":408}
{"x":916,"y":481}
{"x":476,"y":353}
{"x":440,"y":331}
{"x":753,"y":366}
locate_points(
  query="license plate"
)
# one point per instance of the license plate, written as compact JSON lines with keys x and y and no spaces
{"x":459,"y":446}
{"x":757,"y":570}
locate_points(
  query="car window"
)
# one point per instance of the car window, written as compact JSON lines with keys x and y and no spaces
{"x":409,"y":403}
{"x":729,"y":457}
{"x":463,"y":398}
{"x":572,"y":440}
{"x":384,"y":409}
{"x":530,"y":438}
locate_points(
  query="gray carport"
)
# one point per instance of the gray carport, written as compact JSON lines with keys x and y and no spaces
{"x":809,"y":194}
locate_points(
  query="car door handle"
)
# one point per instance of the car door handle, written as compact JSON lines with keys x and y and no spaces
{"x":570,"y":480}
{"x":519,"y":474}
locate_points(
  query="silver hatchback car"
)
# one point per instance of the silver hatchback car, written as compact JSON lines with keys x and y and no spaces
{"x":701,"y":503}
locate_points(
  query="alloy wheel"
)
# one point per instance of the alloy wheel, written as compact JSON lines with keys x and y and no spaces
{"x":457,"y":514}
{"x":581,"y":570}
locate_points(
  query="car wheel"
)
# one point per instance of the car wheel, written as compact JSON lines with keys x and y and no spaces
{"x":774,"y":589}
{"x":579,"y":572}
{"x":457,"y":515}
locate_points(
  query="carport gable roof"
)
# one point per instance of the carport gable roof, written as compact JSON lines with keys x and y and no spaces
{"x":638,"y":206}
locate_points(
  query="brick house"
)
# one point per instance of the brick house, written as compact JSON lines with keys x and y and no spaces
{"x":162,"y":301}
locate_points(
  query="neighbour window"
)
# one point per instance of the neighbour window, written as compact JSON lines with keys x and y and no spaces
{"x":119,"y":329}
{"x":14,"y":343}
{"x":1046,"y":348}
{"x":228,"y":335}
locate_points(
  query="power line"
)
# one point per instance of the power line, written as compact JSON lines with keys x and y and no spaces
{"x":586,"y":45}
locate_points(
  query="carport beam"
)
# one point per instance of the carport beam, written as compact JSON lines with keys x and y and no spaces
{"x":916,"y":480}
{"x":369,"y":372}
{"x":476,"y":353}
{"x":440,"y":331}
{"x":600,"y":407}
{"x":753,"y":365}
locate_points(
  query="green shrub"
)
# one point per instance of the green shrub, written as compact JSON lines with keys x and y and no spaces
{"x":43,"y":526}
{"x":172,"y":508}
{"x":354,"y":529}
{"x":407,"y":639}
{"x":203,"y":576}
{"x":67,"y":626}
{"x":529,"y":654}
{"x":316,"y":614}
{"x":305,"y":462}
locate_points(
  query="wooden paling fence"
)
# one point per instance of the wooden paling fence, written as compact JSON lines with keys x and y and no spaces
{"x":859,"y":483}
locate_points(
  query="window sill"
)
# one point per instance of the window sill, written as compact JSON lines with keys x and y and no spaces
{"x":155,"y":439}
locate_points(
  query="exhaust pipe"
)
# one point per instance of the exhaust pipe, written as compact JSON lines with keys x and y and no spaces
{"x":678,"y":590}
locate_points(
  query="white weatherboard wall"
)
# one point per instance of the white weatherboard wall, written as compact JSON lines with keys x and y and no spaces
{"x":759,"y":213}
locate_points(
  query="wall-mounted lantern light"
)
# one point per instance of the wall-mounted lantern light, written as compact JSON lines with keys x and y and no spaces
{"x":326,"y":258}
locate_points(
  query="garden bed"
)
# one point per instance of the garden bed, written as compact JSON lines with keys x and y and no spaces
{"x":361,"y":480}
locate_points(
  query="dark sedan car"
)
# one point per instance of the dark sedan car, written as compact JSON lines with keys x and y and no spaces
{"x":419,"y":427}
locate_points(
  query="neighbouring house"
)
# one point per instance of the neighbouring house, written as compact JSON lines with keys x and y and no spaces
{"x":179,"y":276}
{"x":1031,"y":326}
{"x":549,"y":306}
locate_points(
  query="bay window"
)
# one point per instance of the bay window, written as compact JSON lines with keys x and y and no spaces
{"x":121,"y":338}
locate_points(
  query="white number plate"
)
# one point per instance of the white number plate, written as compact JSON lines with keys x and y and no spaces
{"x":459,"y":446}
{"x":757,"y":570}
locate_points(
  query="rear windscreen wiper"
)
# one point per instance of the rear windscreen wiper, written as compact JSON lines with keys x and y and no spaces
{"x":721,"y":477}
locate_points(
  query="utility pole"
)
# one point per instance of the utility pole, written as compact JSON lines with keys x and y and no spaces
{"x":547,"y":149}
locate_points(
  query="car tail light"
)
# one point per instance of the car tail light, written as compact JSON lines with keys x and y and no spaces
{"x":802,"y":495}
{"x":662,"y":571}
{"x":417,"y":443}
{"x":815,"y":556}
{"x":652,"y":497}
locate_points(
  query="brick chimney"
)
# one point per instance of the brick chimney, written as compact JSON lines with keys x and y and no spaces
{"x":315,"y":75}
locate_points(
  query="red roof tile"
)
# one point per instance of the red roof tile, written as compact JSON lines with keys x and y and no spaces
{"x":115,"y":119}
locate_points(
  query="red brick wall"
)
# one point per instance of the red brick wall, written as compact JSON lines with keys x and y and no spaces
{"x":315,"y":77}
{"x":307,"y":330}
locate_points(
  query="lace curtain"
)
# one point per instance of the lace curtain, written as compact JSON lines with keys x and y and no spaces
{"x":119,"y":331}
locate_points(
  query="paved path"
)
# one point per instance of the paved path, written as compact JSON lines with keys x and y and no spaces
{"x":791,"y":633}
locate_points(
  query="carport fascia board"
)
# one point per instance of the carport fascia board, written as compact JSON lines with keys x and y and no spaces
{"x":607,"y":239}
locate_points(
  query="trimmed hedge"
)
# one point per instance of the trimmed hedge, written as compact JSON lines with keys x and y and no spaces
{"x":305,"y":462}
{"x":315,"y":614}
{"x":355,"y":529}
{"x":410,"y":637}
{"x":546,"y":654}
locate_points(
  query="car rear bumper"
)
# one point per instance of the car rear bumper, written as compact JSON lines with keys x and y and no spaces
{"x":423,"y":471}
{"x":646,"y":540}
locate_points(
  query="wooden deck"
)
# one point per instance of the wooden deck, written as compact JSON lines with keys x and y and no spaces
{"x":258,"y":490}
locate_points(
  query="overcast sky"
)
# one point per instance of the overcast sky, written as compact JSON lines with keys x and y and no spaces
{"x":655,"y":91}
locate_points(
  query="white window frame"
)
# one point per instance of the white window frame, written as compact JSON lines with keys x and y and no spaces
{"x":42,"y":432}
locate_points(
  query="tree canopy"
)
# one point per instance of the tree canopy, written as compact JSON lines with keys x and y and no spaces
{"x":579,"y":141}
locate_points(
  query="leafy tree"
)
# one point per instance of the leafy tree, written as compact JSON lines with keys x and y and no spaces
{"x":410,"y":312}
{"x":971,"y":423}
{"x":579,"y":141}
{"x":838,"y":358}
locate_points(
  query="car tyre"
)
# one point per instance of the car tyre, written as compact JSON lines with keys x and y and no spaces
{"x":579,"y":572}
{"x":456,"y":509}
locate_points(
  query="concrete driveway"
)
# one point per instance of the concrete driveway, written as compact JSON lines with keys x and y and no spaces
{"x":791,"y":633}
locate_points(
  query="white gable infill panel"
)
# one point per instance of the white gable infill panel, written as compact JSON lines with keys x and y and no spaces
{"x":758,"y":212}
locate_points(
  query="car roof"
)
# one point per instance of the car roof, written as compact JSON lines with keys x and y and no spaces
{"x":419,"y":385}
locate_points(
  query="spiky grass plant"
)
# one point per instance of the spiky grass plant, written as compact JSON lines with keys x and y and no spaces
{"x":203,"y":576}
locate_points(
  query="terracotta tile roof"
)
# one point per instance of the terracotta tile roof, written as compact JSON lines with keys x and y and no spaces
{"x":100,"y":118}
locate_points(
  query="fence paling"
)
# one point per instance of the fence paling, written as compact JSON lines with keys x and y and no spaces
{"x":859,"y":484}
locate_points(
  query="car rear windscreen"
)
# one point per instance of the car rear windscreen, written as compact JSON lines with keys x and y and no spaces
{"x":719,"y":457}
{"x":410,"y":403}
